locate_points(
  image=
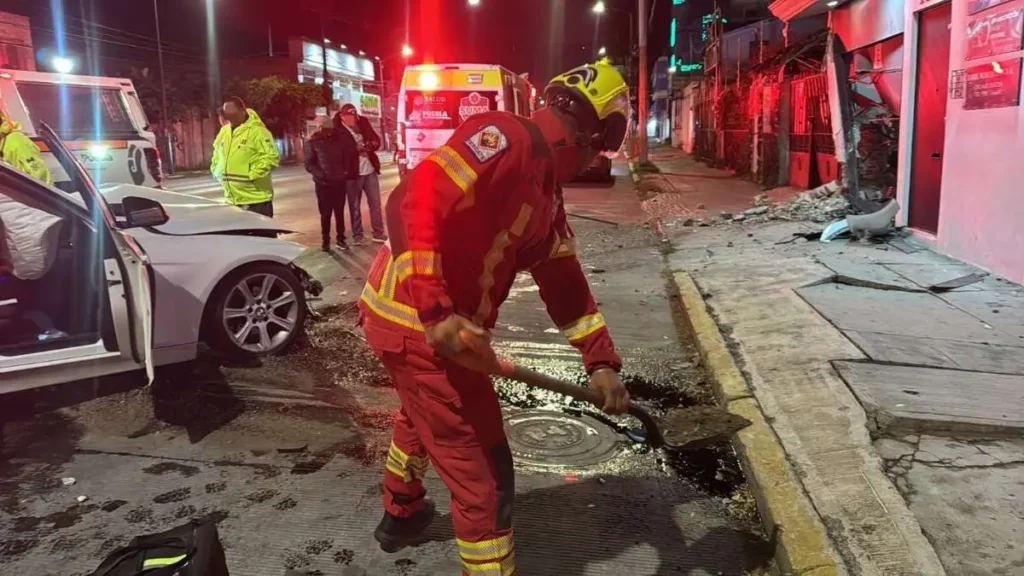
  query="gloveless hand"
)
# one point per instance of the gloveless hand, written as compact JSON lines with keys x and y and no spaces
{"x":444,"y":337}
{"x":616,"y":397}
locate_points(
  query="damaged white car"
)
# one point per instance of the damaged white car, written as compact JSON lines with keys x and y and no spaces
{"x":98,"y":282}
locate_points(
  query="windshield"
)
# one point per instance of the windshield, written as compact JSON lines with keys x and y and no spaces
{"x":78,"y":112}
{"x":446,"y":109}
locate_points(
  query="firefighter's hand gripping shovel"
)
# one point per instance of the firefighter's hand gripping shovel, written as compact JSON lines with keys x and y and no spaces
{"x":680,"y":428}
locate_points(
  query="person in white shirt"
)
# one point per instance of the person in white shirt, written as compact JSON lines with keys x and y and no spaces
{"x":363,"y":167}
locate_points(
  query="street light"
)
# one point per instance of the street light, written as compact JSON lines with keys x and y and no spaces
{"x":63,"y":65}
{"x":362,"y":53}
{"x":598,"y":7}
{"x":602,"y":51}
{"x":407,"y":50}
{"x":474,"y":2}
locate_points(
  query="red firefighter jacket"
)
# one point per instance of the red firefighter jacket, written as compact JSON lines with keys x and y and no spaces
{"x":479,"y":210}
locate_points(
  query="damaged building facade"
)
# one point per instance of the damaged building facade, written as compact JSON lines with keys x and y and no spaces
{"x":935,"y":90}
{"x":914,"y":101}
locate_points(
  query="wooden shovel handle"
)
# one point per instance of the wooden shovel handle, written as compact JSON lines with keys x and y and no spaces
{"x":584,"y":394}
{"x":485,"y":356}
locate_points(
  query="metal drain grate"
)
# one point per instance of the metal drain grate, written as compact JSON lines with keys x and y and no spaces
{"x":547,"y":438}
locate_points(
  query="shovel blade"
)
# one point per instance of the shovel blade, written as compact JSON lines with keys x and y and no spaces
{"x":698,"y":426}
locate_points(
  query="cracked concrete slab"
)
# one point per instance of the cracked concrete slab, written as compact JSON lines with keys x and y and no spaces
{"x":908,"y":314}
{"x":939,"y":353}
{"x":1003,"y":311}
{"x":970,"y":503}
{"x":866,"y":274}
{"x":889,"y":449}
{"x":936,"y":400}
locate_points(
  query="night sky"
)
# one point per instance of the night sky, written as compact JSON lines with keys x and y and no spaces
{"x":541,"y":37}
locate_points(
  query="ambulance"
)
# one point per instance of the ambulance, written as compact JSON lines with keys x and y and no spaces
{"x":436,"y":98}
{"x":100,"y":119}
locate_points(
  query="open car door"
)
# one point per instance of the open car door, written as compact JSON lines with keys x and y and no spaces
{"x":128,"y":276}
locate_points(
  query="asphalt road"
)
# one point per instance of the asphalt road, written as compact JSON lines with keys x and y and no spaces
{"x":287,"y":453}
{"x":294,"y":199}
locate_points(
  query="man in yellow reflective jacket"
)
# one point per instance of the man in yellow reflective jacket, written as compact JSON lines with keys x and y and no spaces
{"x":20,"y":151}
{"x":244,"y":153}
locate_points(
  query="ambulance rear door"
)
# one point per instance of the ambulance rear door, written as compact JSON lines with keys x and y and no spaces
{"x":432,"y":116}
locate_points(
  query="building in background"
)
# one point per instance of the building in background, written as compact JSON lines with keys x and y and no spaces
{"x":16,"y":42}
{"x":929,"y":95}
{"x":353,"y":78}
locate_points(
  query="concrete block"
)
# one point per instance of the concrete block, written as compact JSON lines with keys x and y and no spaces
{"x":889,"y":449}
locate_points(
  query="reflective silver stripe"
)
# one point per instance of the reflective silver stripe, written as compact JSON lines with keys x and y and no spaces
{"x":584,"y":327}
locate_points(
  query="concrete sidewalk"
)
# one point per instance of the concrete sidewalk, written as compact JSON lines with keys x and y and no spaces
{"x":899,"y":401}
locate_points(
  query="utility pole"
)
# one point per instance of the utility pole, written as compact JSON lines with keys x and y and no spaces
{"x":327,"y":88}
{"x":165,"y":121}
{"x":384,"y":105}
{"x":642,"y":88}
{"x":629,"y":60}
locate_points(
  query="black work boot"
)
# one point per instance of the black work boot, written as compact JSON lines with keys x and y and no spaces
{"x":394,"y":533}
{"x":325,"y":245}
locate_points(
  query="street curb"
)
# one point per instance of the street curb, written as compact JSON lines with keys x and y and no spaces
{"x":802,"y":546}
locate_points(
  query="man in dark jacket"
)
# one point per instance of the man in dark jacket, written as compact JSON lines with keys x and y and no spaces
{"x":325,"y":159}
{"x":361,"y":144}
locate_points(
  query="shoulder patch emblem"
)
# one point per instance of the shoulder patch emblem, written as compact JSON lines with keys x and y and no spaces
{"x":487,"y":143}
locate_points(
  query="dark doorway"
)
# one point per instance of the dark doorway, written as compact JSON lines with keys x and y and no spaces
{"x":930,"y":117}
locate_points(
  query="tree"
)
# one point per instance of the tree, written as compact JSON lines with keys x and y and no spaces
{"x":186,"y":92}
{"x":283,"y":104}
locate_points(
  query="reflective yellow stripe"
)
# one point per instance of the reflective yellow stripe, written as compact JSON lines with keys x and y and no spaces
{"x":519,"y":226}
{"x":390,"y":310}
{"x":396,"y":453}
{"x":160,"y":562}
{"x":564,"y":247}
{"x":398,"y":471}
{"x":455,"y":167}
{"x":506,"y":567}
{"x":491,"y":260}
{"x":388,"y":281}
{"x":486,"y":550}
{"x":584,"y":327}
{"x":419,"y":262}
{"x":494,"y":257}
{"x":405,"y":466}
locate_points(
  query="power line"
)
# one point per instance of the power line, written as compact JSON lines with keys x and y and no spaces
{"x":121,"y":31}
{"x":137,"y":46}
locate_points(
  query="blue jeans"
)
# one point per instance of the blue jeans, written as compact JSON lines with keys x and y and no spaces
{"x":369,"y":184}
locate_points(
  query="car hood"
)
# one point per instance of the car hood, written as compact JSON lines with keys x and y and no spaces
{"x":190,"y":215}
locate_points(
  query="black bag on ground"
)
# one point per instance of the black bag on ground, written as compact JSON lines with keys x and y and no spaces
{"x":192,"y":549}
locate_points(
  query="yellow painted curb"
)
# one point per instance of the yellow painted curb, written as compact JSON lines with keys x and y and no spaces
{"x":802,"y":546}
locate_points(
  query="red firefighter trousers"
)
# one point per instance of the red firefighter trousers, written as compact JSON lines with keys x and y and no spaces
{"x":451,"y":416}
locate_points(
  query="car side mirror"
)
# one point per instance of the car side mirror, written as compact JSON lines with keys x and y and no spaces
{"x":143,"y":212}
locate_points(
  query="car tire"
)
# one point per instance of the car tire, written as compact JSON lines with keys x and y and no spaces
{"x":272,"y":321}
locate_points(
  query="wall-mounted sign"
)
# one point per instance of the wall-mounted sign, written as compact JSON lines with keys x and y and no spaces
{"x":956,"y":84}
{"x":975,"y":6}
{"x":369,"y":104}
{"x":993,"y":85}
{"x":994,"y":32}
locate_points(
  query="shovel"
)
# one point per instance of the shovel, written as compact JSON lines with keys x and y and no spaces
{"x":679,"y":428}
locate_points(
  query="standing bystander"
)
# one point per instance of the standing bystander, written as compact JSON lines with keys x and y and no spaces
{"x":362,"y":143}
{"x":325,"y":160}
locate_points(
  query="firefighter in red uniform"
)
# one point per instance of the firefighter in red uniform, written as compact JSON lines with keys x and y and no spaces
{"x":480,"y":209}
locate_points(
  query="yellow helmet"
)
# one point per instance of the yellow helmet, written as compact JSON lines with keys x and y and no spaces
{"x":598,"y":97}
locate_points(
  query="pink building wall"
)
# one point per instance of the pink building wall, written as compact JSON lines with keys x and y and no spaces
{"x":981,"y":210}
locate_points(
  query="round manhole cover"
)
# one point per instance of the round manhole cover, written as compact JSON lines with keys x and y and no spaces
{"x":546,"y":438}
